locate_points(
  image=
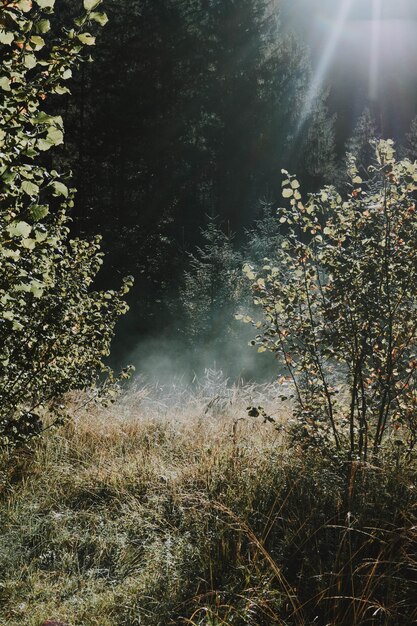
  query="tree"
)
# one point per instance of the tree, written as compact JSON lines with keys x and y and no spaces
{"x":264,"y":238}
{"x":361,"y":143}
{"x":411,"y":141}
{"x":224,"y":89}
{"x":255,"y":83}
{"x":55,"y":331}
{"x":319,"y":145}
{"x":339,"y":304}
{"x":212,"y":288}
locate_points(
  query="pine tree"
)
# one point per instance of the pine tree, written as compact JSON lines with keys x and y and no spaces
{"x":361,"y":143}
{"x":411,"y":141}
{"x":212,"y":287}
{"x":264,"y":238}
{"x":319,"y":145}
{"x":198,"y":113}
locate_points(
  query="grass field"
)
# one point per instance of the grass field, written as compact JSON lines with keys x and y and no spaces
{"x":175,"y":507}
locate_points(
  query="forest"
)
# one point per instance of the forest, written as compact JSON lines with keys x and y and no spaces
{"x":208,"y":291}
{"x":176,"y":135}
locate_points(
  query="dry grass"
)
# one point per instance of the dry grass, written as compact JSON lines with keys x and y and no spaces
{"x":174,"y":507}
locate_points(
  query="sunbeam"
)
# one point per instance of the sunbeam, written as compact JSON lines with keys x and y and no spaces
{"x":374,"y":65}
{"x":326,"y":59}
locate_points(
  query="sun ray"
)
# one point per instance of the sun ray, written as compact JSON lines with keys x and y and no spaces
{"x":325,"y":60}
{"x":374,"y":67}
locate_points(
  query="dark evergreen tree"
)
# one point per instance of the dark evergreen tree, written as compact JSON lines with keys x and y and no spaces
{"x":199,"y":111}
{"x":319,"y":147}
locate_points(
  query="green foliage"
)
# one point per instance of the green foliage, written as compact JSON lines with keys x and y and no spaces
{"x":339,"y":304}
{"x":54,"y":330}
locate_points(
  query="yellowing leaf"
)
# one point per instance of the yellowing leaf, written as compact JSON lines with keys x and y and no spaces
{"x":43,"y":26}
{"x":89,"y":5}
{"x":29,"y":243}
{"x":30,"y":188}
{"x":87,"y":39}
{"x":44,"y":144}
{"x":60,"y":90}
{"x":29,"y":61}
{"x":6,"y":37}
{"x":25,"y":5}
{"x":55,"y":136}
{"x":100,"y":18}
{"x":19,"y":229}
{"x":45,"y":4}
{"x":5,"y":83}
{"x":59,"y":189}
{"x":37,"y":42}
{"x":40,"y":237}
{"x":37,"y":288}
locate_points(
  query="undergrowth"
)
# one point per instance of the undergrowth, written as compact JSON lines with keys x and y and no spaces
{"x":189,"y":512}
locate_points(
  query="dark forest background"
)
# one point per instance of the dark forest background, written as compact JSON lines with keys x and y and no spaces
{"x":176,"y":135}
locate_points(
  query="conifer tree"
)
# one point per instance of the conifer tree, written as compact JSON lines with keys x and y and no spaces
{"x":264,"y":238}
{"x":198,"y":113}
{"x":361,"y":143}
{"x":411,"y":141}
{"x":319,"y":145}
{"x":212,"y":287}
{"x":224,"y":89}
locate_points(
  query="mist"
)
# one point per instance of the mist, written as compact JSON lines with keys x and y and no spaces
{"x":167,"y":359}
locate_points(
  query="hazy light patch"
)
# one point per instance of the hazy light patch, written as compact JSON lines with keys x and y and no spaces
{"x":326,"y":59}
{"x":375,"y":45}
{"x":365,"y":51}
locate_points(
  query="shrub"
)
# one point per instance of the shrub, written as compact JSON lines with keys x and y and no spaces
{"x":54,"y":330}
{"x":339,"y":304}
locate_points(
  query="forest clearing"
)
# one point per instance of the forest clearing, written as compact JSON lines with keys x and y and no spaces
{"x":190,"y":512}
{"x":208,"y":353}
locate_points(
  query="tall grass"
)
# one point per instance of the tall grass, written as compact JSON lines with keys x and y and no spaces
{"x":174,"y":507}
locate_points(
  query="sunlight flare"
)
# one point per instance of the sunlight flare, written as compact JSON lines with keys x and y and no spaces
{"x":374,"y":67}
{"x":326,"y":59}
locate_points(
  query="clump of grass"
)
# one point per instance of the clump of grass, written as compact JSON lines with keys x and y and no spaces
{"x":186,"y":511}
